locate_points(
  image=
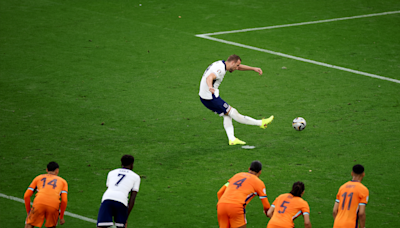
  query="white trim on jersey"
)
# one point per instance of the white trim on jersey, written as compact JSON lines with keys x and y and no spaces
{"x":297,"y":215}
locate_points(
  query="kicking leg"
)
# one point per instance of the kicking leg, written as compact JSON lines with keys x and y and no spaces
{"x":248,"y":120}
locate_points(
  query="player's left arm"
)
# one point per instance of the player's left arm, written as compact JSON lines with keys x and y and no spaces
{"x":222,"y":190}
{"x":307,"y":222}
{"x":131,"y":203}
{"x":64,"y":202}
{"x":270,"y":211}
{"x":245,"y":67}
{"x":262,"y":194}
{"x":361,"y":215}
{"x":266,"y":205}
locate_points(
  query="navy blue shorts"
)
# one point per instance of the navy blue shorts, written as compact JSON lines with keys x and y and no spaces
{"x":216,"y":105}
{"x":110,"y":209}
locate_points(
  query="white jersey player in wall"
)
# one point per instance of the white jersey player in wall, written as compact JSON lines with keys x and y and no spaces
{"x":114,"y":204}
{"x":209,"y":96}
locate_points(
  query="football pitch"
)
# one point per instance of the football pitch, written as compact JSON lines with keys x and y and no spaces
{"x":84,"y":82}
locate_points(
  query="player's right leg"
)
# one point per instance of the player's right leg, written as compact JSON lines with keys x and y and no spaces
{"x":51,"y":215}
{"x":222,"y":108}
{"x":248,"y":120}
{"x":120,"y":214}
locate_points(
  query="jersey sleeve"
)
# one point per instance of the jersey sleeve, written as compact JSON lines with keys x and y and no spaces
{"x":28,"y":193}
{"x":364,"y":197}
{"x":136,"y":184}
{"x":222,"y":190}
{"x":64,"y":199}
{"x":108,"y":180}
{"x":305,"y":208}
{"x":65,"y":187}
{"x":337,"y":200}
{"x":262,"y":194}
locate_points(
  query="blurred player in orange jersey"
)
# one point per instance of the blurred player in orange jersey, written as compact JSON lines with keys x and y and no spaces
{"x":289,"y":206}
{"x":237,"y":193}
{"x":46,"y":204}
{"x":349,"y":208}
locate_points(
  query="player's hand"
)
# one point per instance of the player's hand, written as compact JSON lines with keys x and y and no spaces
{"x":62,"y":221}
{"x":212,"y":90}
{"x":126,"y":224}
{"x":258,"y":70}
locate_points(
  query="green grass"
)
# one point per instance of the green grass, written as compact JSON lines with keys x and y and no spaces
{"x":67,"y":67}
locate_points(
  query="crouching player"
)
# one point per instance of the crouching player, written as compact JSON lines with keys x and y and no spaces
{"x":114,"y":204}
{"x":237,"y":193}
{"x":46,"y":204}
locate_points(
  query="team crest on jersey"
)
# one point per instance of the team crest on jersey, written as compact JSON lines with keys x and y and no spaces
{"x":219,"y":71}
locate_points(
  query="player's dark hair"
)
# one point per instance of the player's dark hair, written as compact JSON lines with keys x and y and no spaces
{"x":126,"y":160}
{"x":358,"y":169}
{"x":233,"y":58}
{"x":297,"y":189}
{"x":256,"y":166}
{"x":52,"y":166}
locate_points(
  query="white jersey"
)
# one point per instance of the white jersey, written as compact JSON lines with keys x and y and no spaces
{"x":219,"y":69}
{"x":120,"y":182}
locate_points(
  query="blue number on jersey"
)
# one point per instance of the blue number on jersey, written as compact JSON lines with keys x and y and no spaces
{"x":123,"y":175}
{"x":284,"y":207}
{"x":239,"y":183}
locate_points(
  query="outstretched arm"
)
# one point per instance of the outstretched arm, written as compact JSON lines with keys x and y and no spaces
{"x":256,"y":69}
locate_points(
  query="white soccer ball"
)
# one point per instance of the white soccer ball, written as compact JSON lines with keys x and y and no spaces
{"x":299,"y":123}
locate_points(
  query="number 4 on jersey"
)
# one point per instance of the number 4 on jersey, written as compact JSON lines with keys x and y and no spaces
{"x":239,"y":183}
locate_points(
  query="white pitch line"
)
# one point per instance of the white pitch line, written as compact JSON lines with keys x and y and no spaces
{"x":298,"y":58}
{"x":66,"y":213}
{"x":301,"y":23}
{"x":208,"y":36}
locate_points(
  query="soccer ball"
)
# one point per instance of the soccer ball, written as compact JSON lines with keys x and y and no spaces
{"x":299,"y":123}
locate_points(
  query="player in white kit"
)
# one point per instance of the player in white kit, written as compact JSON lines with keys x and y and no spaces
{"x":209,"y":96}
{"x":114,"y":204}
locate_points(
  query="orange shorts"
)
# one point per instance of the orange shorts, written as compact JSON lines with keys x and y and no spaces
{"x":231,"y":215}
{"x":39,"y":212}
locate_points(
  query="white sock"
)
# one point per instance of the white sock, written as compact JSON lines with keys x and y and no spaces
{"x":229,"y":127}
{"x":243,"y":119}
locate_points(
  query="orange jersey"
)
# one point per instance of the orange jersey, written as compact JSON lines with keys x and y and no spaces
{"x":287,"y":209}
{"x":350,"y":196}
{"x":49,"y":188}
{"x":242,"y":188}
